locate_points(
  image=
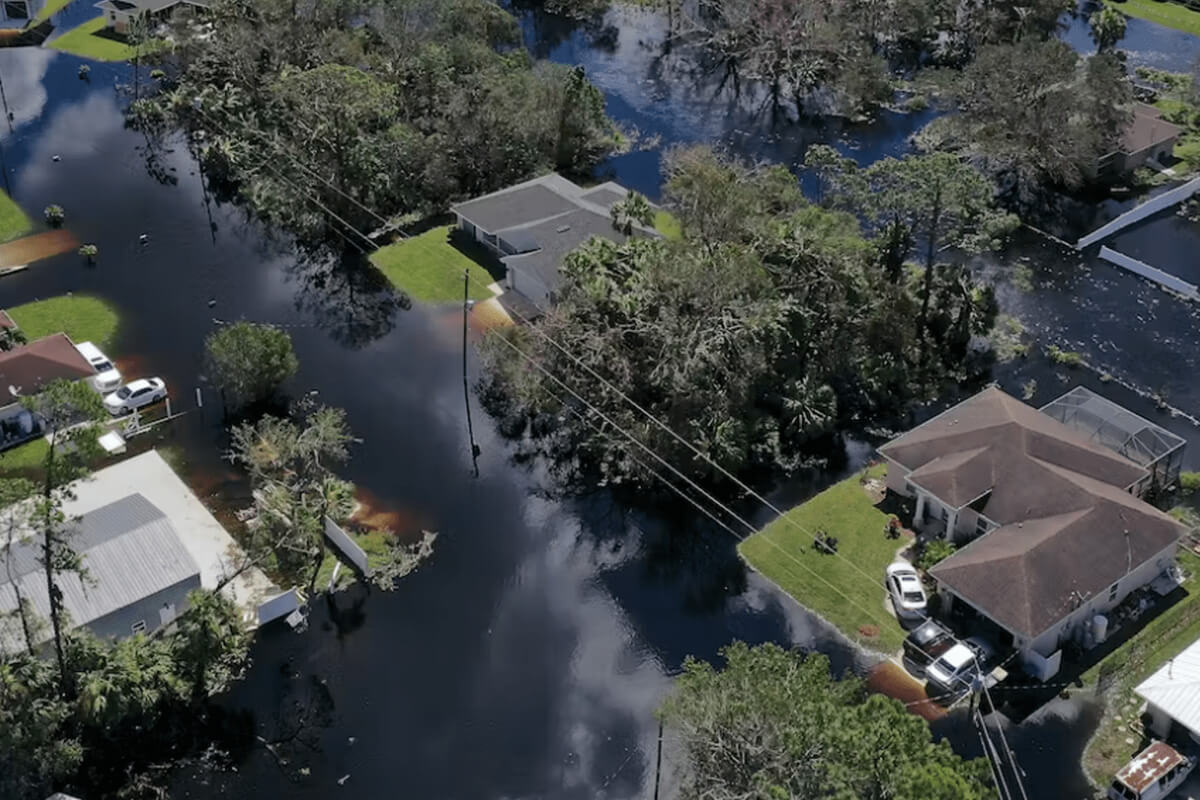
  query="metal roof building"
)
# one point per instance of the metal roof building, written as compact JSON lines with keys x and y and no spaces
{"x":138,"y":573}
{"x":1172,"y":693}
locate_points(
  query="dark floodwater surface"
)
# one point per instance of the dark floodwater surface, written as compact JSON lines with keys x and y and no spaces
{"x":525,"y":660}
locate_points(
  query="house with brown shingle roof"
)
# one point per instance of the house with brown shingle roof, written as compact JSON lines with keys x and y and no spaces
{"x":24,"y":371}
{"x":1051,"y":525}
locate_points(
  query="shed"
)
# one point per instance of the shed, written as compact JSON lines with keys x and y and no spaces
{"x":1172,"y":693}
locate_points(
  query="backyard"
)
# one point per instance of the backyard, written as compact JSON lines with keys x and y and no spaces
{"x":429,"y":267}
{"x":1167,"y":14}
{"x":1115,"y":742}
{"x":835,"y":586}
{"x":51,"y":8}
{"x":82,"y":317}
{"x":13,"y":221}
{"x":86,"y":41}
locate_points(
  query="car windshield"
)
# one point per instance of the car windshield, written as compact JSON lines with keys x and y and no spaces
{"x":103,"y":366}
{"x":124,"y":392}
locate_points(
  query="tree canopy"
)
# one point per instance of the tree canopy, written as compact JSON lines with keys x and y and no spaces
{"x":397,"y":106}
{"x":249,"y":361}
{"x":769,"y":325}
{"x":775,"y":724}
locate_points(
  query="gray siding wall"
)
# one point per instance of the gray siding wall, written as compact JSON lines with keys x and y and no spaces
{"x":119,"y":623}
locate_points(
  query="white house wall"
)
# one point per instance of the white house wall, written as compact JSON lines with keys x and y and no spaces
{"x":896,"y":478}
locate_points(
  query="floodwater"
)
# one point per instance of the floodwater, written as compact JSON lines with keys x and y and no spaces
{"x":527,"y":657}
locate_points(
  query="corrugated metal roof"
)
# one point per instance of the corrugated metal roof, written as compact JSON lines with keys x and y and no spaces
{"x":1149,"y":765}
{"x":1175,"y":688}
{"x":130,"y":551}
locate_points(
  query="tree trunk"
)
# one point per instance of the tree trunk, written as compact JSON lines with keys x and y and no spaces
{"x":52,"y":591}
{"x":927,"y":284}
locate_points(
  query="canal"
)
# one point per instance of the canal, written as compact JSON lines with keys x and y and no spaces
{"x":527,"y":657}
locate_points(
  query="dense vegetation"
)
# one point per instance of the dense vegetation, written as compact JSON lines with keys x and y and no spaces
{"x":769,"y":324}
{"x":392,"y":105}
{"x":774,"y":724}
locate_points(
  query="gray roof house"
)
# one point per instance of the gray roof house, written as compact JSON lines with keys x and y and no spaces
{"x":139,"y":574}
{"x":119,"y":13}
{"x":1052,"y":528}
{"x":532,"y":226}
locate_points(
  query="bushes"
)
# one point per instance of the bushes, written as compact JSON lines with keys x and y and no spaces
{"x":934,"y":551}
{"x":1189,"y":482}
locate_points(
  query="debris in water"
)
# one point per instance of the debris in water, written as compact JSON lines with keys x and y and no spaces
{"x":56,"y":157}
{"x":342,"y":780}
{"x":212,"y":301}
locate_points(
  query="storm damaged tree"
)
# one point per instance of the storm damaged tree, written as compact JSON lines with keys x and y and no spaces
{"x":291,"y":465}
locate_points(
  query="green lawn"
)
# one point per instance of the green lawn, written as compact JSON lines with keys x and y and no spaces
{"x":847,"y":513}
{"x":82,"y":317}
{"x":667,"y":224}
{"x":51,"y":8}
{"x":13,"y":221}
{"x":28,"y":456}
{"x":1163,"y":638}
{"x":1167,"y":14}
{"x":83,"y":41}
{"x":373,"y":543}
{"x":430,"y":269}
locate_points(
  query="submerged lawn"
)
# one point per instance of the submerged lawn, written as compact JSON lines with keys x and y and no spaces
{"x":1167,"y":14}
{"x":429,"y":268}
{"x":83,"y":41}
{"x":51,"y":8}
{"x":13,"y":221}
{"x":822,"y":582}
{"x":80,"y":316}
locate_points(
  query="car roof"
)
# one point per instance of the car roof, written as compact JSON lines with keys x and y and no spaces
{"x":89,"y":350}
{"x":138,"y":384}
{"x":958,"y":656}
{"x":909,"y":579}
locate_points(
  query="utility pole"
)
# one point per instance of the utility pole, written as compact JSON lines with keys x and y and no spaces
{"x":466,"y":390}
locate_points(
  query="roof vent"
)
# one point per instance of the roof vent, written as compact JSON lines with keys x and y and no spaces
{"x":563,"y":228}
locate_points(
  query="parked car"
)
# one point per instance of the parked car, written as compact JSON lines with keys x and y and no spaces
{"x":927,"y":641}
{"x":107,"y":377}
{"x":957,"y":668}
{"x":904,"y":585}
{"x":135,"y":395}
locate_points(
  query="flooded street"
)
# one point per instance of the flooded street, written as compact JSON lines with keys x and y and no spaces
{"x":527,"y":657}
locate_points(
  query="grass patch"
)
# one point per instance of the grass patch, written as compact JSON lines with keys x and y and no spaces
{"x":846,"y":512}
{"x":24,"y":458}
{"x":429,"y":268}
{"x":1167,"y":14}
{"x":667,"y":224}
{"x":1161,"y":639}
{"x":83,"y":41}
{"x":51,"y":8}
{"x":13,"y":221}
{"x":82,"y":317}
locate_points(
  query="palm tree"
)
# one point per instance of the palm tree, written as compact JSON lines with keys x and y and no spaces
{"x":634,"y":209}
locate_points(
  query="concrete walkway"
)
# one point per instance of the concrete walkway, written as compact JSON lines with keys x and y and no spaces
{"x":206,"y":540}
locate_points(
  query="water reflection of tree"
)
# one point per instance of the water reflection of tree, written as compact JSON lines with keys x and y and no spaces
{"x":294,"y":733}
{"x":547,"y":26}
{"x":345,"y":296}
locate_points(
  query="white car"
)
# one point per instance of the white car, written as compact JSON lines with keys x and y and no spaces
{"x":959,"y":666}
{"x":135,"y":395}
{"x":904,"y":585}
{"x":107,"y":377}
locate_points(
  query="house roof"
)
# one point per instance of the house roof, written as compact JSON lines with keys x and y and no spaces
{"x":1149,"y":765}
{"x":130,"y":551}
{"x":546,"y":218}
{"x":1147,"y":129}
{"x":555,"y":238}
{"x":25,"y":370}
{"x":1067,"y":527}
{"x":1175,"y":688}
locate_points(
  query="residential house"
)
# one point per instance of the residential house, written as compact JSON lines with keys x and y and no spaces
{"x":24,"y":371}
{"x":1148,"y":138}
{"x":532,"y":226}
{"x":139,"y":574}
{"x":120,"y":13}
{"x":1051,"y":526}
{"x":1172,"y":694}
{"x":18,"y":13}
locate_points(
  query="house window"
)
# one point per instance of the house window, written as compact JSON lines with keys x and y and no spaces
{"x":1112,"y":592}
{"x":16,"y":9}
{"x":139,"y":626}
